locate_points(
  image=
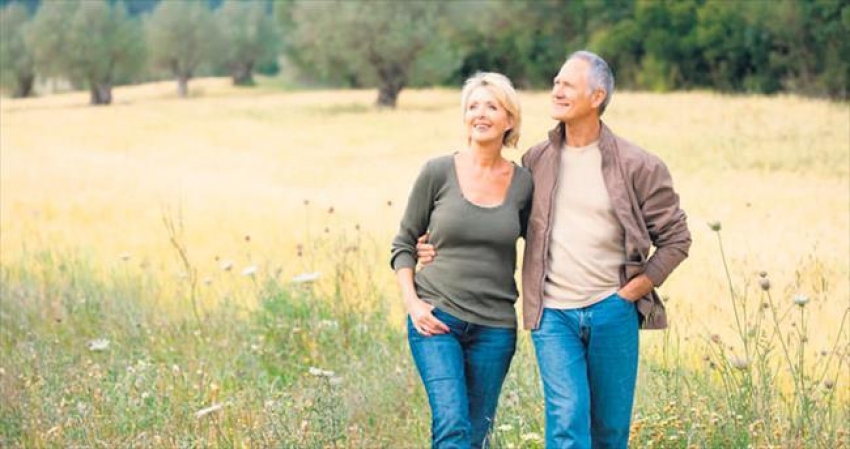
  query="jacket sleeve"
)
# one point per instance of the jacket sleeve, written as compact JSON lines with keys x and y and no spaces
{"x":665,"y":221}
{"x":415,"y":220}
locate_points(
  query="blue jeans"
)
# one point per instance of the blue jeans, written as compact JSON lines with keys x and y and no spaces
{"x":588,"y":361}
{"x":463,"y":371}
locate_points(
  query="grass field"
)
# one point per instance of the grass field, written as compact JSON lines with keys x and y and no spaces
{"x":262,"y":185}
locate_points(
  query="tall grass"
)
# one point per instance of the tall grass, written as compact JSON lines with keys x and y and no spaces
{"x":89,"y":360}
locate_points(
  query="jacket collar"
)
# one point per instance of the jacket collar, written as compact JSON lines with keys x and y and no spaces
{"x":557,"y":137}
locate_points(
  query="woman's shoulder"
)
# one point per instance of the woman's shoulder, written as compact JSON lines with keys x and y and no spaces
{"x":437,"y":168}
{"x":440,"y":162}
{"x":523,"y":175}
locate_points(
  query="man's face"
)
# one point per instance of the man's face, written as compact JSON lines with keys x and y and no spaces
{"x":571,"y":98}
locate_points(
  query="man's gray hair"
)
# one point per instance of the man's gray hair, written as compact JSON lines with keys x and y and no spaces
{"x":599,"y":77}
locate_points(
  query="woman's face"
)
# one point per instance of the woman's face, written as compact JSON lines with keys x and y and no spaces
{"x":485,"y":118}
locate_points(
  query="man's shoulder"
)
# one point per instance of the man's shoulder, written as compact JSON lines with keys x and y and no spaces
{"x":530,"y":158}
{"x":634,"y":155}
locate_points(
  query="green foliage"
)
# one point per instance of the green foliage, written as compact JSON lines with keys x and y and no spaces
{"x":182,"y":36}
{"x":16,"y":64}
{"x":249,"y":38}
{"x":369,"y":43}
{"x":91,"y":43}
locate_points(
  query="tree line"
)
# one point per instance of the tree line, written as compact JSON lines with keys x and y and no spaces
{"x":760,"y":46}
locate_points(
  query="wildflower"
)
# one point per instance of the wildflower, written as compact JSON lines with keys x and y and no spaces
{"x":306,"y":278}
{"x":249,"y":270}
{"x":764,"y":283}
{"x":715,"y":338}
{"x":739,"y":362}
{"x":329,"y":323}
{"x":206,"y":411}
{"x":829,"y":384}
{"x":226,"y":265}
{"x":801,"y":300}
{"x":531,"y":436}
{"x":318,"y":372}
{"x":714,"y":225}
{"x":99,"y":344}
{"x":505,"y":428}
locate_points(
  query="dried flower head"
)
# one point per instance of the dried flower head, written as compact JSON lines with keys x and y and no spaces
{"x":739,"y":362}
{"x":714,"y":225}
{"x":764,"y":283}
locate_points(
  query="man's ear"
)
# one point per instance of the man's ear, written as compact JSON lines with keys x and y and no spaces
{"x":597,"y":97}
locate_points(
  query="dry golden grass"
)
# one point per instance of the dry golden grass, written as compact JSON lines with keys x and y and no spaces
{"x":241,"y":162}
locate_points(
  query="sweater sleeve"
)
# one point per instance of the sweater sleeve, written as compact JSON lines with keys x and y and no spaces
{"x":415,"y":220}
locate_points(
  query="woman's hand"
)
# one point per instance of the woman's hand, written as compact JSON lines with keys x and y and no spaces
{"x":423,"y":320}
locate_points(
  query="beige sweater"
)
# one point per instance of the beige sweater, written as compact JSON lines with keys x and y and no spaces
{"x":587,"y":243}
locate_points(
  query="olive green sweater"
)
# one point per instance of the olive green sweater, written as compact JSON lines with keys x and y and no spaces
{"x":472,"y":277}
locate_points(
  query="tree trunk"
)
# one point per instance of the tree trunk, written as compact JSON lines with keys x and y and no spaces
{"x":242,"y":74}
{"x":25,"y":85}
{"x":183,"y":86}
{"x":392,"y":82}
{"x":101,"y":94}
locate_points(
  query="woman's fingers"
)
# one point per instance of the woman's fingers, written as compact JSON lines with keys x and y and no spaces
{"x":437,"y":326}
{"x":431,"y":324}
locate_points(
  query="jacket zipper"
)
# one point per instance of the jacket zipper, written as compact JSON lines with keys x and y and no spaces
{"x":545,"y":254}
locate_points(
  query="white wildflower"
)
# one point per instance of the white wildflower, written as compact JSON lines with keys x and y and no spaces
{"x":206,"y":411}
{"x":306,"y":278}
{"x":333,"y":324}
{"x":249,"y":270}
{"x":318,"y":372}
{"x":531,"y":436}
{"x":801,"y":300}
{"x":99,"y":344}
{"x":740,"y":362}
{"x":505,"y":428}
{"x":226,"y":265}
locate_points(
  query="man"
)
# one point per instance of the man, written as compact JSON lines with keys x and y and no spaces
{"x":600,"y":204}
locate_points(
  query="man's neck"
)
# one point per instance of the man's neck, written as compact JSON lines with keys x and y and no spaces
{"x":583,"y":132}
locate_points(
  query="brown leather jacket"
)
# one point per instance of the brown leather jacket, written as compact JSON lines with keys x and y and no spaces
{"x":644,"y":201}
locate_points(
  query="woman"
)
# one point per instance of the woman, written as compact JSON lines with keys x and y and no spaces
{"x":461,"y":320}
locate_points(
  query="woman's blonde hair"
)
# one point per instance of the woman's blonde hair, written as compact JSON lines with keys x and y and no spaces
{"x":500,"y":86}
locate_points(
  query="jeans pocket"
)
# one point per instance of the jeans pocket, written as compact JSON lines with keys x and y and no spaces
{"x":444,"y":316}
